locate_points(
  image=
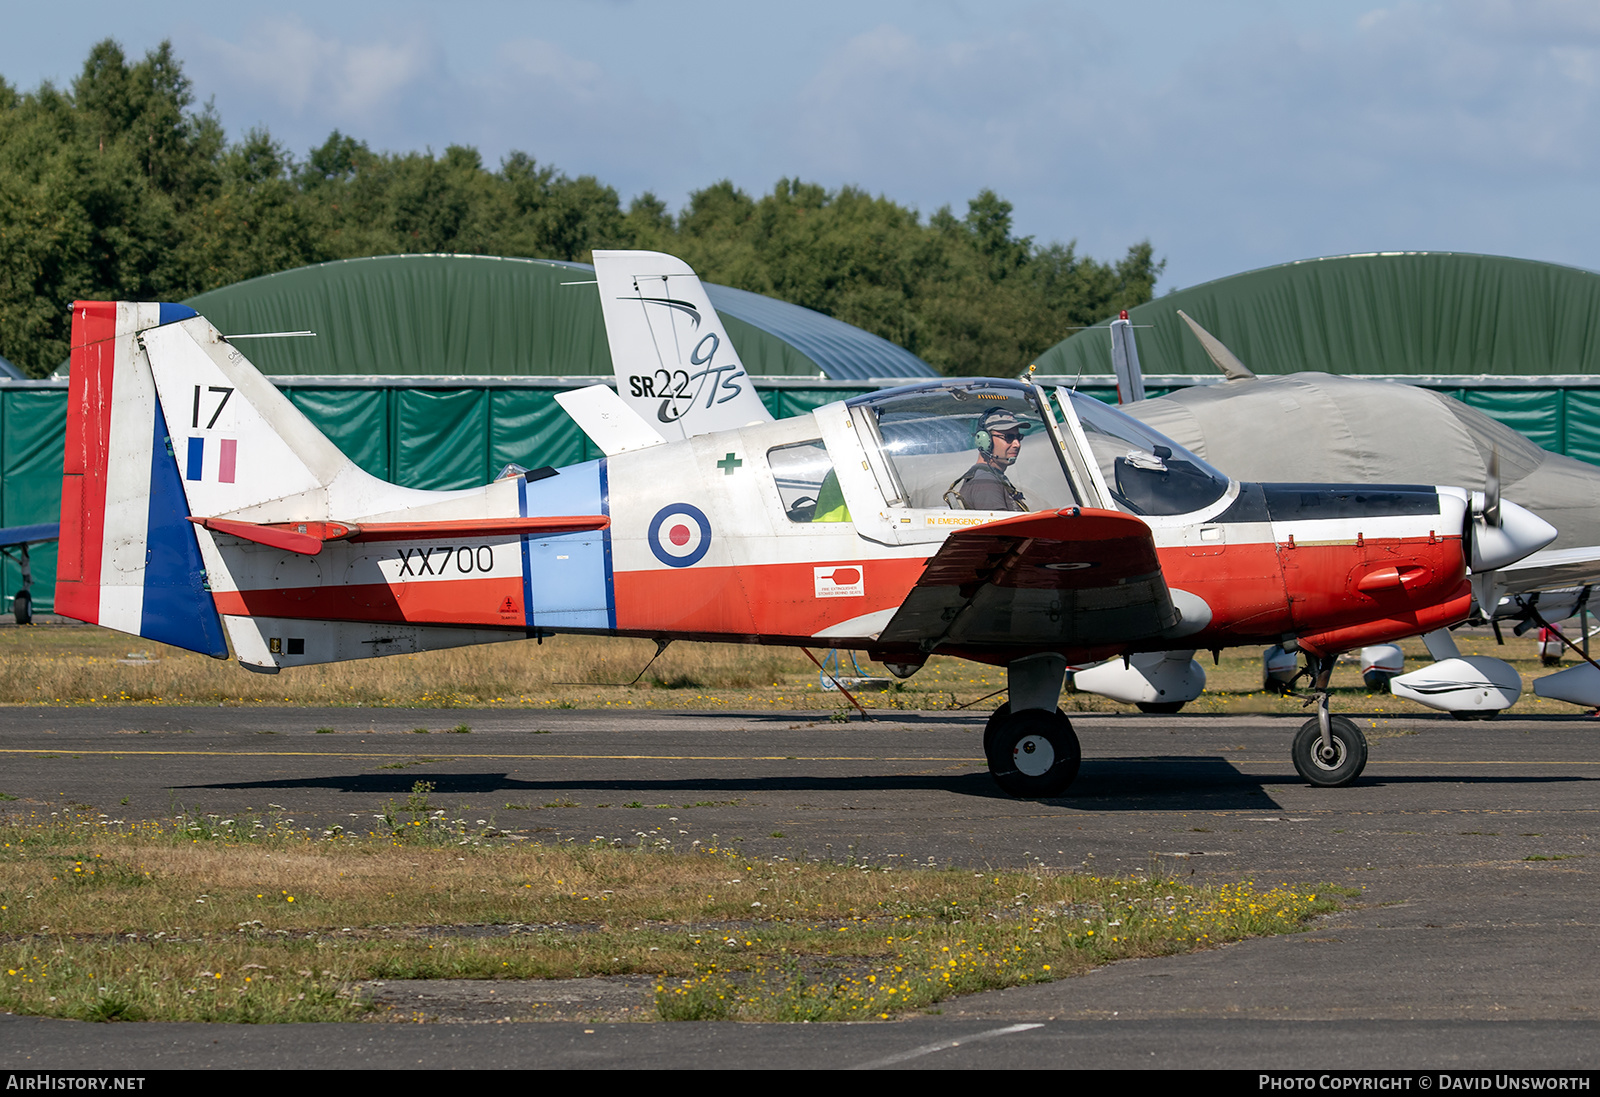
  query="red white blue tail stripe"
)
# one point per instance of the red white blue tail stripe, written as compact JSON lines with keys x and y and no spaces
{"x":129,"y":558}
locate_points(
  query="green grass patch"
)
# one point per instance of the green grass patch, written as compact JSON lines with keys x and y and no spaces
{"x":252,"y":919}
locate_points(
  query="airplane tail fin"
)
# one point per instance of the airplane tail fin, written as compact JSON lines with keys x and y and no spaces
{"x":201,"y":507}
{"x":128,"y":557}
{"x":166,"y":421}
{"x":675,"y":364}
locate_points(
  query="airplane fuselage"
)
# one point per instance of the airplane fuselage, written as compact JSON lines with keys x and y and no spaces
{"x":201,"y":508}
{"x":700,"y":546}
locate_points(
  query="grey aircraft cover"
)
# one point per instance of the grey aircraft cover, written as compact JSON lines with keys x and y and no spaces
{"x":1317,"y":427}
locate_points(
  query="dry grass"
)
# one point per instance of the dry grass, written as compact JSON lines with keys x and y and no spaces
{"x":69,"y":664}
{"x":64,"y":664}
{"x":195,"y":919}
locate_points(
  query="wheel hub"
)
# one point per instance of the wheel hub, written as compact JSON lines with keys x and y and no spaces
{"x":1034,"y":755}
{"x":1329,"y":756}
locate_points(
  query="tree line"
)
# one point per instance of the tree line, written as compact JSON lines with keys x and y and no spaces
{"x":119,"y":188}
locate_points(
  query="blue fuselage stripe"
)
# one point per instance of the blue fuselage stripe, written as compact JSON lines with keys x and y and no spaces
{"x":605,"y":508}
{"x":527,"y":561}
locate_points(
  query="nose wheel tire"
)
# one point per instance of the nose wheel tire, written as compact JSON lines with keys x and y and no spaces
{"x":1336,"y":767}
{"x":1033,"y":752}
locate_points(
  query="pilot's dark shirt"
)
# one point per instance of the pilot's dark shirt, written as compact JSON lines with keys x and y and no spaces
{"x":983,"y":487}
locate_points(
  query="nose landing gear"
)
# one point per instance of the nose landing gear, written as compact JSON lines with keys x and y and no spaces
{"x":1333,"y":763}
{"x":1329,"y":751}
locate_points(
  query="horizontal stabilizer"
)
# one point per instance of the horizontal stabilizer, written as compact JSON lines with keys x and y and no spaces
{"x":27,"y":535}
{"x":608,"y":421}
{"x":307,"y":538}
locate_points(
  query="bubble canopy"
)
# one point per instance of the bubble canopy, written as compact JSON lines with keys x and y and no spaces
{"x":1146,"y":472}
{"x":930,"y":436}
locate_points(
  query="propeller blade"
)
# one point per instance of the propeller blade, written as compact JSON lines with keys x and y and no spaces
{"x":1491,"y":491}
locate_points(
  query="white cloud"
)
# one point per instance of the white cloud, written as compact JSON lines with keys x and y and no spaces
{"x":893,"y":111}
{"x":1231,"y":135}
{"x":533,"y":59}
{"x":285,"y":63}
{"x":400,"y":90}
{"x":580,"y":115}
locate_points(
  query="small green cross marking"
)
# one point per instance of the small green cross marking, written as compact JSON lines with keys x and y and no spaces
{"x":728,"y":464}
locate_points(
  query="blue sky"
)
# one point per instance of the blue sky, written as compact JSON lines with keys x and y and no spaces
{"x":1230,"y":134}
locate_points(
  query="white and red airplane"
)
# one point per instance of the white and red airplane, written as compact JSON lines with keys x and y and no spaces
{"x":200,"y":507}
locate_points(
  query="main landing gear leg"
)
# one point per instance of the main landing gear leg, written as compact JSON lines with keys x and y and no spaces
{"x":1329,"y":751}
{"x":1029,"y":743}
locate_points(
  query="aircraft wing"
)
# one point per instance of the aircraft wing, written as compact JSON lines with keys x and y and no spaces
{"x":1551,"y":569}
{"x":1067,"y":578}
{"x":27,"y":535}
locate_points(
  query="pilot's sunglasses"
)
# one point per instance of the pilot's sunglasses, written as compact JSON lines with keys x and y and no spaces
{"x":1007,"y":435}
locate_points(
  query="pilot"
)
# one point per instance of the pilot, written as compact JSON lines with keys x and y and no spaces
{"x":984,"y":486}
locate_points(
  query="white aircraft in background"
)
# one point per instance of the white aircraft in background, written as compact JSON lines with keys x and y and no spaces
{"x":1317,"y":426}
{"x":18,"y":538}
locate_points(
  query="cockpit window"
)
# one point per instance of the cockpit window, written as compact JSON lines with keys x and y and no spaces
{"x":1147,"y":473}
{"x":968,"y":446}
{"x":807,"y":484}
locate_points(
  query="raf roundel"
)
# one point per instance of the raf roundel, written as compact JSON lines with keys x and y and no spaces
{"x":679,"y":535}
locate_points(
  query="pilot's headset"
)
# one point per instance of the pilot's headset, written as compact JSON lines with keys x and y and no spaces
{"x":997,"y":419}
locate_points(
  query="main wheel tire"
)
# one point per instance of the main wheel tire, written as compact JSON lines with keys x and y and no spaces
{"x":22,"y":607}
{"x":996,"y":718}
{"x":1477,"y":714}
{"x":1159,"y":708}
{"x":1349,"y":753}
{"x":1033,"y":753}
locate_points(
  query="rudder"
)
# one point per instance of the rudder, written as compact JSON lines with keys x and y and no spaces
{"x":129,"y":559}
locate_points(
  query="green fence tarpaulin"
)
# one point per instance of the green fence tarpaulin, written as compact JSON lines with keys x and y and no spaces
{"x":433,"y":435}
{"x":1408,"y":313}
